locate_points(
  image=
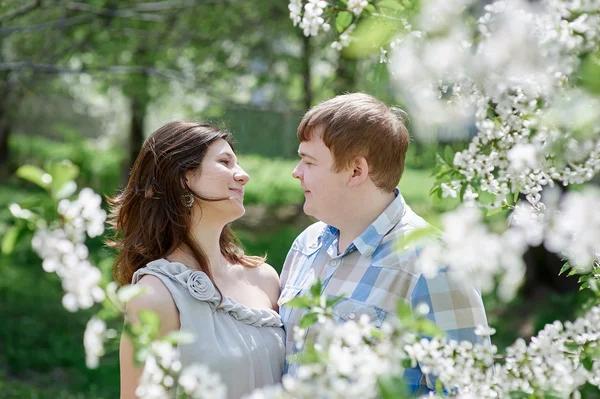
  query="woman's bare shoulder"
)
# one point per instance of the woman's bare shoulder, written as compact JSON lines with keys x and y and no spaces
{"x":266,"y":277}
{"x":157,"y":298}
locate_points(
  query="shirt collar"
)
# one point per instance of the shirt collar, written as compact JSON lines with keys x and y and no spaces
{"x":370,"y":239}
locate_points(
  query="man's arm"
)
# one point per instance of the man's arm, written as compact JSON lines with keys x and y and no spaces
{"x":454,"y":306}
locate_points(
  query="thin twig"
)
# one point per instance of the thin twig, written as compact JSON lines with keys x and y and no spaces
{"x":113,"y":12}
{"x":24,"y":9}
{"x":60,"y":23}
{"x":115,"y":69}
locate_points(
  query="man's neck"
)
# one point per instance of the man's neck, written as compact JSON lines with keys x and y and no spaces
{"x":361,"y":218}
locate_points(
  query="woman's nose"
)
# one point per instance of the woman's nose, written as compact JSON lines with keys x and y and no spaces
{"x":241,"y":176}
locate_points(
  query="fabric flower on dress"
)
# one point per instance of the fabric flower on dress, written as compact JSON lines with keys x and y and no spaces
{"x":200,"y":286}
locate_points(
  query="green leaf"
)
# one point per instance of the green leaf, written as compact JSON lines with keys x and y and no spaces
{"x":178,"y":337}
{"x":369,"y":36}
{"x":35,"y":175}
{"x":573,"y":272}
{"x":308,"y":320}
{"x":449,"y":155}
{"x":316,"y":288}
{"x":441,"y":160}
{"x":428,"y":328}
{"x":370,"y":9}
{"x":589,"y":73}
{"x":495,"y":211}
{"x":150,"y":321}
{"x":10,"y":239}
{"x":588,"y":363}
{"x":463,"y":189}
{"x":308,"y":356}
{"x":404,"y":311}
{"x":418,"y":235}
{"x":391,"y":4}
{"x":565,"y":267}
{"x":571,"y":346}
{"x":61,"y":173}
{"x":439,"y":387}
{"x":392,"y":387}
{"x":300,"y":302}
{"x":593,"y":284}
{"x":331,"y":302}
{"x":343,"y":20}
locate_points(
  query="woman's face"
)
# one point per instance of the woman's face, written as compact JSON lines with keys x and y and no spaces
{"x":220,"y":177}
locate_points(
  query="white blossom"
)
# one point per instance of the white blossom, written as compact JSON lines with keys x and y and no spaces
{"x":199,"y":382}
{"x":93,"y":341}
{"x":357,"y":6}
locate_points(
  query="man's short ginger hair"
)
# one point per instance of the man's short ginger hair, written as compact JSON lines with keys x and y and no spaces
{"x":358,"y":124}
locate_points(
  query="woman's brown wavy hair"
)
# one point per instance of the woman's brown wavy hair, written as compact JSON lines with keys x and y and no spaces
{"x":149,"y":217}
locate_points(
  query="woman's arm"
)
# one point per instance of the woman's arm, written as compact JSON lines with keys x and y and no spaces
{"x":159,"y":300}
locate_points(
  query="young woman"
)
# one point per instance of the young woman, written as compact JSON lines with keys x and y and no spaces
{"x":171,"y":221}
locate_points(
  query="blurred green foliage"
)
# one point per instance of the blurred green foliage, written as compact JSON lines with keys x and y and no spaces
{"x":41,"y":351}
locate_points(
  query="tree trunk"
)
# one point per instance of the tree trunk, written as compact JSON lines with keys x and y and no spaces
{"x":306,"y":54}
{"x":6,"y":98}
{"x":345,"y":77}
{"x":137,"y":91}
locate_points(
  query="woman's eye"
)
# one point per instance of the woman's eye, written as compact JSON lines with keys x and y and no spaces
{"x":225,"y":162}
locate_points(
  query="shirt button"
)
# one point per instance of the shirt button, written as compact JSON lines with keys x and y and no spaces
{"x":333,"y":263}
{"x":351,"y":316}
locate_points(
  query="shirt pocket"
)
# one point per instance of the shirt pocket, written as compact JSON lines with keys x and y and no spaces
{"x":349,"y":309}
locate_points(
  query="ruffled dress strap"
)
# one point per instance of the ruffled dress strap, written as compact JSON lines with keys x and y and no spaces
{"x":199,"y":286}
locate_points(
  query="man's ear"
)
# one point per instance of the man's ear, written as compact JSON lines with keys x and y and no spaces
{"x":359,"y":169}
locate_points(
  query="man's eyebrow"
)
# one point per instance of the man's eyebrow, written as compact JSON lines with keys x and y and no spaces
{"x":305,"y":155}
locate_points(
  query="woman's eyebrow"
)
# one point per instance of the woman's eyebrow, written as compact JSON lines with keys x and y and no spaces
{"x":229,"y":155}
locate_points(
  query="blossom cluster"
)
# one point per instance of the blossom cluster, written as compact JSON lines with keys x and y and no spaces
{"x":164,"y":375}
{"x":569,"y":226}
{"x":309,"y":16}
{"x":63,"y":250}
{"x":514,"y":72}
{"x":351,"y":359}
{"x":557,"y":361}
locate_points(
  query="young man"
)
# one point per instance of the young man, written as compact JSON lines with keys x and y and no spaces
{"x":353,"y":149}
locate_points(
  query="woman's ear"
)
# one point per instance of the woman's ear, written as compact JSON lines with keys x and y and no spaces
{"x":189,"y":175}
{"x":360,"y":171}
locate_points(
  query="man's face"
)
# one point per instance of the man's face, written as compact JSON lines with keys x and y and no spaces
{"x":323,"y":188}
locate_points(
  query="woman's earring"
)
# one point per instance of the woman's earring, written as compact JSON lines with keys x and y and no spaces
{"x":188,"y":200}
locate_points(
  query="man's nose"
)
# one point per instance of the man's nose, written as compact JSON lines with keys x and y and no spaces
{"x":297,"y":173}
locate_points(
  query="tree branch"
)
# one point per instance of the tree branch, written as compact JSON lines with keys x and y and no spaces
{"x":131,"y":13}
{"x":116,"y":69}
{"x":60,"y":23}
{"x":24,"y":9}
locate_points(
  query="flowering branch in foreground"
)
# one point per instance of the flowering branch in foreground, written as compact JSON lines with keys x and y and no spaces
{"x":60,"y":230}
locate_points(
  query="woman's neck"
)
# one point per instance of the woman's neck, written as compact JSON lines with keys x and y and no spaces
{"x":207,"y":237}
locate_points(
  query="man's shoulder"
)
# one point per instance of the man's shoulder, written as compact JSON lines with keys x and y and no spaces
{"x":409,"y":222}
{"x":310,"y":236}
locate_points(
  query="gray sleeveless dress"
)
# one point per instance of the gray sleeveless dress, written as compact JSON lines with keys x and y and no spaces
{"x":245,"y":346}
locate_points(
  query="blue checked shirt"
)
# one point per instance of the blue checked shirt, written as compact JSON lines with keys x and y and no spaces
{"x":373,"y":274}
